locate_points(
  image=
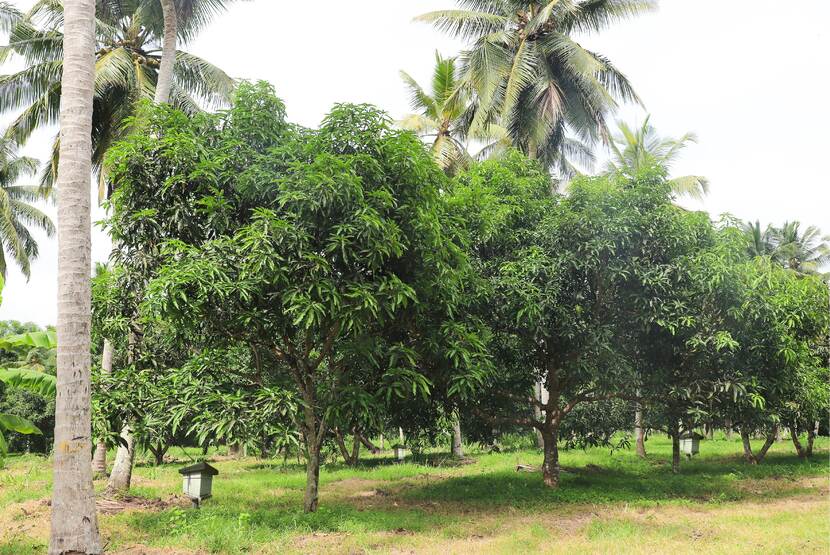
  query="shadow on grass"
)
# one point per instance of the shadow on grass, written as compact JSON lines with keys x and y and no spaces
{"x":260,"y":508}
{"x":650,"y":481}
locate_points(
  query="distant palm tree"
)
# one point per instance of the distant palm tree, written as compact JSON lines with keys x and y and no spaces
{"x":126,"y":71}
{"x":179,"y":17}
{"x":17,"y":215}
{"x":759,"y":241}
{"x":439,"y":113}
{"x":633,"y":149}
{"x":805,"y":253}
{"x":531,"y":77}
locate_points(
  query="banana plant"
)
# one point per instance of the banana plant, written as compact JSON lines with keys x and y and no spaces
{"x":26,"y":378}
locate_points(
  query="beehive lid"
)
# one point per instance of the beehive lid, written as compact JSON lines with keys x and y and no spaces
{"x":199,"y":468}
{"x":691,"y":435}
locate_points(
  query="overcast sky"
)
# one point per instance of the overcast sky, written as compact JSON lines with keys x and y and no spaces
{"x":750,"y":77}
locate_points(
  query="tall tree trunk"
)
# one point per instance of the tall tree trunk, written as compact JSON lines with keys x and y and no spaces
{"x":550,"y":465}
{"x":122,"y":470}
{"x":639,"y":432}
{"x":99,"y":463}
{"x":457,"y":445}
{"x":729,"y":429}
{"x":74,"y":522}
{"x":675,"y":449}
{"x":168,"y":53}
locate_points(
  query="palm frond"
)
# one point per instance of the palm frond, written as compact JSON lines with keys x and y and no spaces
{"x":464,"y":24}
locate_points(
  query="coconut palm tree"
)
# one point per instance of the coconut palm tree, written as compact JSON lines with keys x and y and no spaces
{"x":633,"y":149}
{"x":529,"y":74}
{"x":183,"y":17}
{"x":804,"y":252}
{"x":127,"y":66}
{"x":759,"y":241}
{"x":17,"y":215}
{"x":439,"y":113}
{"x":74,"y":522}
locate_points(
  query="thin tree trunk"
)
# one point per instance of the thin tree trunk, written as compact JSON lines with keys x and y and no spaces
{"x":164,"y":81}
{"x":74,"y":522}
{"x":811,"y":437}
{"x":537,"y":413}
{"x":99,"y":463}
{"x":341,"y":445}
{"x":234,"y":450}
{"x":750,"y":458}
{"x":729,"y":429}
{"x":457,"y":445}
{"x":756,"y":458}
{"x":767,"y":444}
{"x":122,"y":470}
{"x":550,"y":465}
{"x":797,"y":443}
{"x":639,"y":432}
{"x":675,"y":450}
{"x":355,"y":448}
{"x":368,"y":443}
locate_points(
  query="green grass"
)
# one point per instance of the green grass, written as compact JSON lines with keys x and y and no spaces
{"x":606,"y":503}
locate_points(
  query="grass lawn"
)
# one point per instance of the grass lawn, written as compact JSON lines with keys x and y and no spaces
{"x":607,"y":503}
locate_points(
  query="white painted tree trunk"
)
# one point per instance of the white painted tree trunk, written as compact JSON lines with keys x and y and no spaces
{"x":99,"y":462}
{"x":457,"y":440}
{"x":74,"y":522}
{"x":122,"y":469}
{"x":540,"y":393}
{"x":168,"y":53}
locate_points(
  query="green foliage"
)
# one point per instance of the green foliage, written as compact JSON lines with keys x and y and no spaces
{"x":27,"y":386}
{"x":127,"y":34}
{"x":533,"y":79}
{"x":634,"y":150}
{"x":323,"y":252}
{"x":18,"y":215}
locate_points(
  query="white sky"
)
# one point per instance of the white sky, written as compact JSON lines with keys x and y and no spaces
{"x":750,"y":77}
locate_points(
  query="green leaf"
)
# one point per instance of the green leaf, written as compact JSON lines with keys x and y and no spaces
{"x":18,"y":424}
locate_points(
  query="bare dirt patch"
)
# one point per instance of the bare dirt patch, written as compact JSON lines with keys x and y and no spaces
{"x":115,"y":505}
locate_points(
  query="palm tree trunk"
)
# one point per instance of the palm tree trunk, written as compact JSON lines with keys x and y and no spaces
{"x":74,"y":522}
{"x":168,"y":53}
{"x":99,"y":463}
